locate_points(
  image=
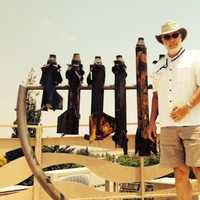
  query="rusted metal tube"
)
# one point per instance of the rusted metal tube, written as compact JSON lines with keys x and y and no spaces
{"x":50,"y":78}
{"x":96,"y":78}
{"x":44,"y":181}
{"x":68,"y":122}
{"x":120,"y":136}
{"x":143,"y":145}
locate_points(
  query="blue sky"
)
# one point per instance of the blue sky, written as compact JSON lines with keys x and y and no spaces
{"x":32,"y":29}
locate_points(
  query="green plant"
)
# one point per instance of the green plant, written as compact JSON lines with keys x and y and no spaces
{"x":33,"y":115}
{"x":83,"y":152}
{"x":152,"y":160}
{"x":57,"y":149}
{"x":133,"y":160}
{"x":127,"y":160}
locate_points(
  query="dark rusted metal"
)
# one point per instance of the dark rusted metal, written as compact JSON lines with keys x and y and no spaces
{"x":101,"y":125}
{"x":96,"y":78}
{"x":68,"y":122}
{"x":50,"y":78}
{"x":27,"y":149}
{"x":143,"y":145}
{"x":66,"y":87}
{"x":120,"y":136}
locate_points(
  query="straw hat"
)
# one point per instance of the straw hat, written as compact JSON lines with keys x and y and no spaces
{"x":170,"y":27}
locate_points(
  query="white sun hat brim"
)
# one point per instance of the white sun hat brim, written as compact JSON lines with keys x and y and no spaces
{"x":171,"y":27}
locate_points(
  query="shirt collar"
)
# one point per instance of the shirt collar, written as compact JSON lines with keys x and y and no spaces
{"x":181,"y":51}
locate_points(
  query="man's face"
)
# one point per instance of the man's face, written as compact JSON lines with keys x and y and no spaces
{"x":172,"y":42}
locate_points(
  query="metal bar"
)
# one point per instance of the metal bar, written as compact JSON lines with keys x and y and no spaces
{"x":38,"y":153}
{"x":52,"y":126}
{"x":27,"y":149}
{"x":142,"y":181}
{"x":66,"y":87}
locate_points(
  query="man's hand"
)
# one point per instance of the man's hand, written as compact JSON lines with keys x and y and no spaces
{"x":178,"y":113}
{"x":151,"y":131}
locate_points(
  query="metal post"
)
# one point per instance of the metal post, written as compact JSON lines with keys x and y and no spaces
{"x":142,"y":181}
{"x":142,"y":145}
{"x":107,"y":186}
{"x":38,"y":154}
{"x":142,"y":86}
{"x":115,"y":187}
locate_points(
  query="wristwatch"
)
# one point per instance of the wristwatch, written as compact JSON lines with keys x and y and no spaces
{"x":189,"y":105}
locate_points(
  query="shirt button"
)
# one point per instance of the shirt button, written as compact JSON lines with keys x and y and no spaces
{"x":170,"y":79}
{"x":170,"y":90}
{"x":170,"y":101}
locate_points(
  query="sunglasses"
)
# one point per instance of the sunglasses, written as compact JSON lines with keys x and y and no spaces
{"x":168,"y":37}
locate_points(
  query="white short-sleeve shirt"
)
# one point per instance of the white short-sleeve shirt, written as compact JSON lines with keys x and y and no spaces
{"x":175,"y":80}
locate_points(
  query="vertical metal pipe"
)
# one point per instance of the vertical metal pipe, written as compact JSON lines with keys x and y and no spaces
{"x":120,"y":137}
{"x":38,"y":153}
{"x":68,"y":122}
{"x":142,"y":181}
{"x":142,"y":144}
{"x":96,"y":78}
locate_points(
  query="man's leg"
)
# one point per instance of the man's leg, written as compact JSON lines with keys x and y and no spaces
{"x":191,"y":140}
{"x":183,"y":185}
{"x":196,"y":171}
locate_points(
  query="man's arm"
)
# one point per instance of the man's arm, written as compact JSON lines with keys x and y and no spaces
{"x":179,"y":113}
{"x":195,"y":99}
{"x":151,"y":131}
{"x":154,"y":108}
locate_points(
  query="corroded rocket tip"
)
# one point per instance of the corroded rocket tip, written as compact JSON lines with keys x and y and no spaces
{"x":140,"y":41}
{"x":119,"y":58}
{"x":76,"y":60}
{"x":52,"y":55}
{"x":76,"y":57}
{"x":51,"y":59}
{"x":97,"y":60}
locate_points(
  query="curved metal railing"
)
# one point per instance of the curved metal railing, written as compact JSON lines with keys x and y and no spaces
{"x":27,"y":149}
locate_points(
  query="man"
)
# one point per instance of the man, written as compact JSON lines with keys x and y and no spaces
{"x":176,"y":96}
